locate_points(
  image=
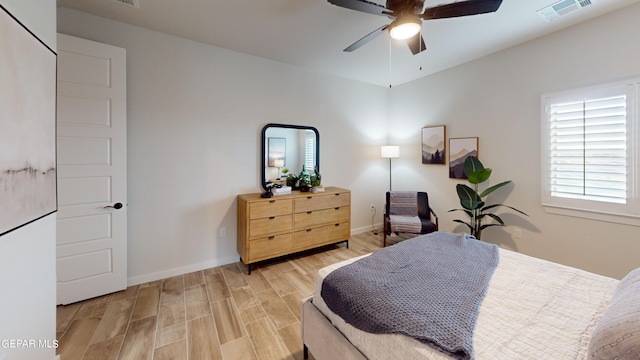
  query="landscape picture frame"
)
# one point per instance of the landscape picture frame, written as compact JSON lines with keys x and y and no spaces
{"x":460,"y":149}
{"x":434,"y":146}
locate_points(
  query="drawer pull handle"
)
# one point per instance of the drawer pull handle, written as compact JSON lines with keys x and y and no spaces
{"x":309,"y":197}
{"x":337,"y":194}
{"x":338,"y":208}
{"x":337,"y":225}
{"x":271,"y":237}
{"x":271,"y":201}
{"x":309,"y":212}
{"x":308,"y":230}
{"x":272,"y":217}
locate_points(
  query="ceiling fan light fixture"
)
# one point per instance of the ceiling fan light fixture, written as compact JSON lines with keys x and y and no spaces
{"x":405,"y":27}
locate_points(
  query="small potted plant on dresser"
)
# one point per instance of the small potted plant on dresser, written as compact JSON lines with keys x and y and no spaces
{"x":304,"y":179}
{"x":316,"y":180}
{"x":292,"y":180}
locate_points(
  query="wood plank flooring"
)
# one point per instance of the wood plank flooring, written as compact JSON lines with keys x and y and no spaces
{"x":217,"y":313}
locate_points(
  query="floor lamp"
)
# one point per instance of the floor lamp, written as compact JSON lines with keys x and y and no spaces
{"x":390,"y":152}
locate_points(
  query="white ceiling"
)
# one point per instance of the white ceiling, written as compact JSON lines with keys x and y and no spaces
{"x":312,"y":33}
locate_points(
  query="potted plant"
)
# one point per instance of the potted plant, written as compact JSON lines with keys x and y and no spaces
{"x":304,"y":180}
{"x":316,"y":180}
{"x":284,"y":173}
{"x":473,"y":203}
{"x":292,"y":180}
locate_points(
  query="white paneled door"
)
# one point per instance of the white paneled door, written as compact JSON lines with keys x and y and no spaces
{"x":91,"y":251}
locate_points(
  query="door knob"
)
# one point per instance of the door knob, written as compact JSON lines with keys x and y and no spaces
{"x":114,"y":206}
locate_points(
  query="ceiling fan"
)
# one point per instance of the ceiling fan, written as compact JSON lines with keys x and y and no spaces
{"x":407,"y":16}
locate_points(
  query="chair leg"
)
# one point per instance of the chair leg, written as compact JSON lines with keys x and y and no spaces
{"x":384,"y":231}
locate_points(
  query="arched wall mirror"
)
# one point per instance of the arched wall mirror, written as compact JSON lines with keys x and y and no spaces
{"x":288,"y":147}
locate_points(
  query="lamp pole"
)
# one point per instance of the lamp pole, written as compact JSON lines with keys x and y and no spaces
{"x":390,"y":152}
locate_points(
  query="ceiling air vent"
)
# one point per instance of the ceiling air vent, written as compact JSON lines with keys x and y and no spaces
{"x":134,"y":3}
{"x":562,"y":8}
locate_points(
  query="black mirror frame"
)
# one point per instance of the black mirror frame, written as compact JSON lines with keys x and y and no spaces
{"x":265,"y":184}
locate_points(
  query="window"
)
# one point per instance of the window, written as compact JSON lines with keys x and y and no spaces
{"x":589,"y":152}
{"x":310,"y":151}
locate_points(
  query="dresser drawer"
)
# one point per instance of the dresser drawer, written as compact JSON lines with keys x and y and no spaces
{"x":272,"y":246}
{"x":321,"y":201}
{"x":317,"y":217}
{"x":312,"y":237}
{"x":272,"y":207}
{"x":270,"y":225}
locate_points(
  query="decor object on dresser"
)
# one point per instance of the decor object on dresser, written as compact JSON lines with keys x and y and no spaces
{"x":473,"y":203}
{"x":270,"y":228}
{"x":302,"y":149}
{"x":316,"y":182}
{"x":434,"y":145}
{"x":390,"y":152}
{"x":408,"y":212}
{"x":459,"y":150}
{"x":532,"y":308}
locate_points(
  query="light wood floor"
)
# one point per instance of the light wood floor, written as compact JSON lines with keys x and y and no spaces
{"x":217,"y":313}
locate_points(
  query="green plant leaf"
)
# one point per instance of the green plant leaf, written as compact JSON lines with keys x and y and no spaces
{"x":507,"y":206}
{"x":488,"y":225}
{"x":493,"y":188}
{"x":471,"y":165}
{"x":496,"y":218}
{"x":462,"y":222}
{"x":469,"y":199}
{"x":479,"y":176}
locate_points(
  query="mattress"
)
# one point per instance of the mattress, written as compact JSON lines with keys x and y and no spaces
{"x":533,"y":309}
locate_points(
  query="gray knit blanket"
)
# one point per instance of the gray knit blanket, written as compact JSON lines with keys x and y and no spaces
{"x":429,"y":288}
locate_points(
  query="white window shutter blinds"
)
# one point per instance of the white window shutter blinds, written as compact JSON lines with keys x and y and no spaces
{"x":588,"y":148}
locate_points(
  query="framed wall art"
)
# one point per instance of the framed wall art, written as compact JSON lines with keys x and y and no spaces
{"x":28,"y":126}
{"x":434,"y":145}
{"x":459,"y":150}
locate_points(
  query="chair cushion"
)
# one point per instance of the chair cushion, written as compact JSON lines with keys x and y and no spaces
{"x":618,"y":334}
{"x":405,"y":224}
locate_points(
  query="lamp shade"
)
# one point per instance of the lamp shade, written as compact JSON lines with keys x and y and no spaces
{"x":390,"y":151}
{"x":405,"y":27}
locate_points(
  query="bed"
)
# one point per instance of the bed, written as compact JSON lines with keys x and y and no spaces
{"x":530,"y":309}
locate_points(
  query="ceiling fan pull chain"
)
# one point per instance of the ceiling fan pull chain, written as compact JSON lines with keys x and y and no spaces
{"x":421,"y":57}
{"x":389,"y":61}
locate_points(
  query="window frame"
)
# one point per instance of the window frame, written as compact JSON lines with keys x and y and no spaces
{"x":628,"y":213}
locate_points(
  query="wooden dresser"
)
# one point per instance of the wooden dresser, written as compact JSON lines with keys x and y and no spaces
{"x":285,"y":224}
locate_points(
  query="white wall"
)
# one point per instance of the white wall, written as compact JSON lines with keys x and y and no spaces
{"x":195,"y":114}
{"x":497,"y":98}
{"x":27,"y":255}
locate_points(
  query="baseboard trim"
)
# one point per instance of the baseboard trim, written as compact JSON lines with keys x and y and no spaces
{"x":141,"y":279}
{"x":365,"y":229}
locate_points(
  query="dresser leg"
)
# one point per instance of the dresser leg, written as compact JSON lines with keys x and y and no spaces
{"x":305,"y":352}
{"x":248,"y":269}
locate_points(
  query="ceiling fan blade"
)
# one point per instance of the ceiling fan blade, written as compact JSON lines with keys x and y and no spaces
{"x":372,"y":35}
{"x":461,"y":8}
{"x":416,"y":44}
{"x":362,"y":5}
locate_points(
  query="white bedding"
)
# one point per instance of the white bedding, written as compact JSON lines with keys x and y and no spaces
{"x":534,"y":309}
